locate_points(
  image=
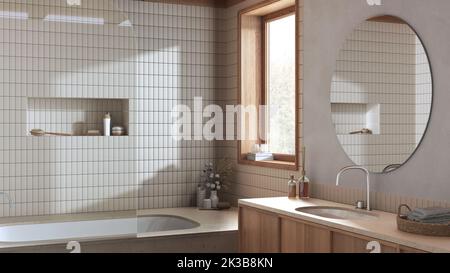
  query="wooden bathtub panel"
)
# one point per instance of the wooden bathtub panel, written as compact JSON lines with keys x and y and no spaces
{"x":217,"y":242}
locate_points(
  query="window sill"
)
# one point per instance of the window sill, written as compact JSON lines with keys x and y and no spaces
{"x":273,"y":164}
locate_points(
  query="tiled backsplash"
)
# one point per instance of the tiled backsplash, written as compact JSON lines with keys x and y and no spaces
{"x":379,"y":201}
{"x":57,"y":70}
{"x":258,"y":187}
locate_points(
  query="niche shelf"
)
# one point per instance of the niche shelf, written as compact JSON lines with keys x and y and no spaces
{"x":75,"y":115}
{"x":349,"y":117}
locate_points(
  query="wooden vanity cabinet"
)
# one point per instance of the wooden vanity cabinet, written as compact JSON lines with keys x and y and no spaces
{"x":259,"y":232}
{"x":264,"y":232}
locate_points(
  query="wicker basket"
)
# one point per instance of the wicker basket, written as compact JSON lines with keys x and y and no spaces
{"x":409,"y":226}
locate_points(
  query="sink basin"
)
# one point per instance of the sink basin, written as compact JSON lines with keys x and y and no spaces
{"x":338,"y":213}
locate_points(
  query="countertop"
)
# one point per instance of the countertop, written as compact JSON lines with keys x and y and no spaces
{"x":383,"y":228}
{"x":210,"y":221}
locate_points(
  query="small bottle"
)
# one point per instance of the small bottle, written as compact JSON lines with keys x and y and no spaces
{"x":201,"y":195}
{"x":292,"y":187}
{"x":214,"y":199}
{"x":207,"y":204}
{"x":304,"y":187}
{"x":107,"y":124}
{"x":304,"y":184}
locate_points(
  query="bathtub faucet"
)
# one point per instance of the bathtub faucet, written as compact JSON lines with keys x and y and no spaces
{"x":7,"y":196}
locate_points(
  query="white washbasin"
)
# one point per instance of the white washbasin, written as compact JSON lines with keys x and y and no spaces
{"x":339,"y":213}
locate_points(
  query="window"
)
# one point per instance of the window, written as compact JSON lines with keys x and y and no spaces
{"x":280,"y":79}
{"x":268,"y":77}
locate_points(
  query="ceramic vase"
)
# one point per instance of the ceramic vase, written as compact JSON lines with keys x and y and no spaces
{"x":214,"y":199}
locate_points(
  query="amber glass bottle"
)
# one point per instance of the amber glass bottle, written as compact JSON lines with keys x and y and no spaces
{"x":292,"y":187}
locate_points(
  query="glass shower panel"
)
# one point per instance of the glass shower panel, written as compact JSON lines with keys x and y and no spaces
{"x":64,"y":64}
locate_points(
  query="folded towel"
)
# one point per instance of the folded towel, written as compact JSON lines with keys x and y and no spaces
{"x":430,"y":215}
{"x":431,"y":221}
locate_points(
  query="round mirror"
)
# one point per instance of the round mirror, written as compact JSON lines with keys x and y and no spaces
{"x":381,"y":94}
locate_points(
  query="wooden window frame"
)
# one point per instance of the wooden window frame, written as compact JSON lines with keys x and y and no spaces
{"x":280,"y":14}
{"x":281,"y":161}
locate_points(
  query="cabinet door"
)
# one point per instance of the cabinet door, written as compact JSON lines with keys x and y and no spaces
{"x":349,"y":243}
{"x":388,"y":248}
{"x":343,"y":243}
{"x":249,"y":235}
{"x":292,"y":236}
{"x":258,"y":232}
{"x":270,"y":233}
{"x":298,"y":237}
{"x":405,"y":249}
{"x":317,"y":239}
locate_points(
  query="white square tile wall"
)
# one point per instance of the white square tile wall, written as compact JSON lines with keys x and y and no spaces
{"x":172,"y":53}
{"x":169,"y":56}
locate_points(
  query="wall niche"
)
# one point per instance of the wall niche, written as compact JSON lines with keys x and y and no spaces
{"x":75,"y":116}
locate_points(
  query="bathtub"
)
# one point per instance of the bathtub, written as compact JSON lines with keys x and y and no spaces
{"x":153,"y":230}
{"x":94,"y":229}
